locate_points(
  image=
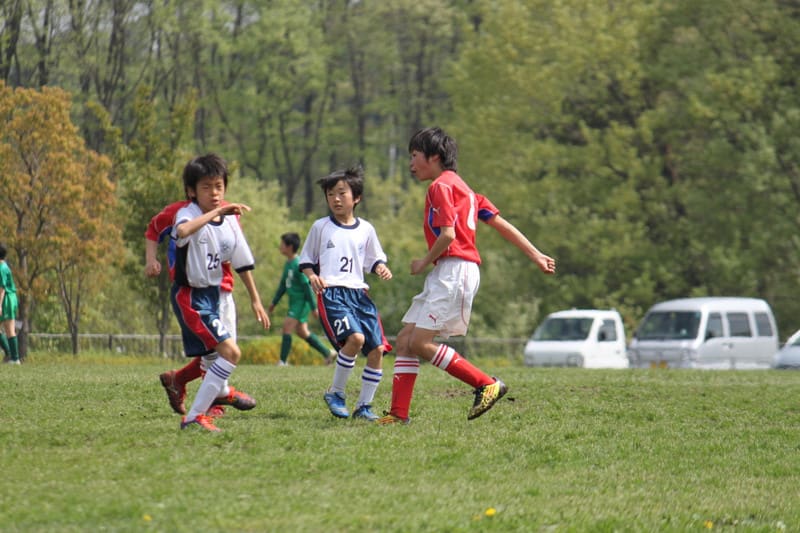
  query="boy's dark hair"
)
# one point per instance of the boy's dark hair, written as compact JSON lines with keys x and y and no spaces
{"x":3,"y":251}
{"x":434,"y":141}
{"x":353,"y":176}
{"x":209,"y":165}
{"x":292,"y":240}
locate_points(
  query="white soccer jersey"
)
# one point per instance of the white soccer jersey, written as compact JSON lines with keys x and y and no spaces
{"x":342,"y":254}
{"x":200,"y":256}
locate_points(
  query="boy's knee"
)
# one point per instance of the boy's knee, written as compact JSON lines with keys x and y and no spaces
{"x":356,"y":341}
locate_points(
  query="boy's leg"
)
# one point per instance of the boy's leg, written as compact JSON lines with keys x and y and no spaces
{"x":13,"y":348}
{"x":286,"y":347}
{"x":289,"y":325}
{"x":370,"y":379}
{"x":315,"y":342}
{"x":4,"y":345}
{"x":215,"y":379}
{"x":406,"y":369}
{"x":174,"y":383}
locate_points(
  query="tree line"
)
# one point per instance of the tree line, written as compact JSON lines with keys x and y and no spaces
{"x":648,"y":145}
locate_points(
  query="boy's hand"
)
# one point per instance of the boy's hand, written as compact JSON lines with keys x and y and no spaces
{"x":383,"y":272}
{"x":152,"y":269}
{"x":546,"y":264}
{"x":317,"y":283}
{"x":418,"y":266}
{"x":233,"y":209}
{"x":270,"y":309}
{"x":261,"y":315}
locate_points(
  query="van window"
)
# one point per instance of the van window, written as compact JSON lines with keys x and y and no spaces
{"x":763,"y":325}
{"x":563,"y":329}
{"x":608,"y":332}
{"x":739,"y":325}
{"x":714,"y":327}
{"x":664,"y":325}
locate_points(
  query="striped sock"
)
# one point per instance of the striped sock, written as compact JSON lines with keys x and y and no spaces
{"x":406,"y":370}
{"x":216,"y":378}
{"x":451,"y":362}
{"x":370,"y":379}
{"x":344,"y":367}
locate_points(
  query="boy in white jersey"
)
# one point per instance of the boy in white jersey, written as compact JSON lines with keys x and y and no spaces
{"x":338,"y":250}
{"x":207,"y":235}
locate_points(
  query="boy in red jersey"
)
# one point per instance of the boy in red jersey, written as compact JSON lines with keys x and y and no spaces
{"x":443,"y":308}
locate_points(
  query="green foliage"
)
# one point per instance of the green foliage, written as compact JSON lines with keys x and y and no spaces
{"x":267,"y":351}
{"x":649,"y":146}
{"x":576,"y":450}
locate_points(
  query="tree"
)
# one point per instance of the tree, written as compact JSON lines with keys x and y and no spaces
{"x":149,"y":172}
{"x":57,"y":200}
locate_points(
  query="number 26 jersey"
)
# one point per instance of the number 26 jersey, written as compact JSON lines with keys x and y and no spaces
{"x":199,"y":257}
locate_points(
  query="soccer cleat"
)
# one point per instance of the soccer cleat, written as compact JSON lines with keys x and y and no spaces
{"x":282,"y":363}
{"x":236,"y":399}
{"x":485,"y":397}
{"x":175,"y":393}
{"x":205,"y":422}
{"x":216,"y":411}
{"x":364,"y":412}
{"x":388,"y":419}
{"x":335,"y":401}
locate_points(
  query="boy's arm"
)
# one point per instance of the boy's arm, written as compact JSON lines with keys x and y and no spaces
{"x":281,"y":290}
{"x":189,"y":227}
{"x":447,"y":234}
{"x":311,"y":298}
{"x":152,"y":266}
{"x":510,"y":233}
{"x":255,"y":299}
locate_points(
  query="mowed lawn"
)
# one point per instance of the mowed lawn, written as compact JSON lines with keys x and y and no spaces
{"x":90,"y":444}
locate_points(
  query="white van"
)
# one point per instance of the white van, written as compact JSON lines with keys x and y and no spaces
{"x":589,"y":338}
{"x":706,"y":333}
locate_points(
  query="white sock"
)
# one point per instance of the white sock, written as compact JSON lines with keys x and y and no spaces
{"x":370,"y":379}
{"x":344,"y":367}
{"x":216,"y":377}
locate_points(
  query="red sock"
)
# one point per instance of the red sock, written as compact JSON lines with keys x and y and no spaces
{"x":189,"y":372}
{"x":451,"y":362}
{"x":405,"y":376}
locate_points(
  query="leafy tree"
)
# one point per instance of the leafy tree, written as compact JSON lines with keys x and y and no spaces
{"x":57,"y":201}
{"x":149,"y":170}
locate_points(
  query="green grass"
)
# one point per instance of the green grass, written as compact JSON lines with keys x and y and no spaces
{"x":91,"y":444}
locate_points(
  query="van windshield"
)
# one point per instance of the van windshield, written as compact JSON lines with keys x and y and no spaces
{"x":669,"y":325}
{"x":563,"y":329}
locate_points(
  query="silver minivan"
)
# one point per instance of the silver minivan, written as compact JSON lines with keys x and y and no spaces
{"x":712,"y":332}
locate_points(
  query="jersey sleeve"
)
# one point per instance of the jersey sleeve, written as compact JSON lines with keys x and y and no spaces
{"x":160,"y":225}
{"x":486,"y":209}
{"x":442,"y":205}
{"x":242,"y":258}
{"x":184,"y":214}
{"x":374,"y":254}
{"x":309,"y":256}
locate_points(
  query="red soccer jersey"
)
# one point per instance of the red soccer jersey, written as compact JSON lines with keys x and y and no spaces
{"x":160,"y":227}
{"x":450,"y":202}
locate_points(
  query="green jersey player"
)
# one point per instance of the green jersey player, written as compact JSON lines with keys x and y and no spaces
{"x":302,"y":302}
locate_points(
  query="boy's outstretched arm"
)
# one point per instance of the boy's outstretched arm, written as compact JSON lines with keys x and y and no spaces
{"x":255,"y":299}
{"x":510,"y":233}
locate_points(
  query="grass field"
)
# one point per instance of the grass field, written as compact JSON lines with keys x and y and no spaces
{"x":90,"y":444}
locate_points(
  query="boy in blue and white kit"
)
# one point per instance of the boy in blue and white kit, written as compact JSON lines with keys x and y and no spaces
{"x":207,"y":235}
{"x":338,"y":250}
